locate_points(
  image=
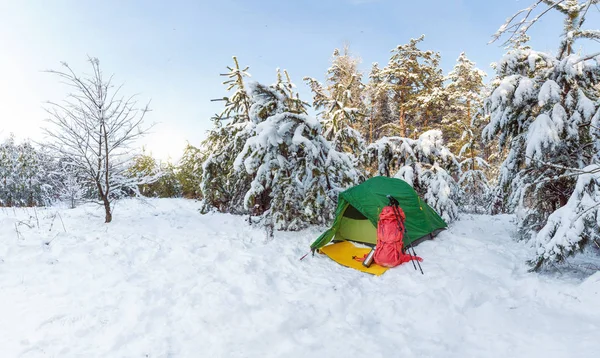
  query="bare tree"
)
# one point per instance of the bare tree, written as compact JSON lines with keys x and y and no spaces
{"x":93,"y":129}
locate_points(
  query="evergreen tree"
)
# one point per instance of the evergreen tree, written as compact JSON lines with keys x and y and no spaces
{"x":415,"y":83}
{"x":542,"y":110}
{"x":378,"y":101}
{"x":34,"y":188}
{"x":296,"y":173}
{"x":287,"y":88}
{"x":463,"y":123}
{"x":8,"y":172}
{"x":189,"y":172}
{"x":168,"y":184}
{"x":476,"y":189}
{"x":222,"y":187}
{"x":464,"y":99}
{"x":26,"y":175}
{"x":164,"y":182}
{"x":144,"y":165}
{"x":341,"y":103}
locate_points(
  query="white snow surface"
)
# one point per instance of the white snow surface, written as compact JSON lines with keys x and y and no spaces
{"x":163,"y":280}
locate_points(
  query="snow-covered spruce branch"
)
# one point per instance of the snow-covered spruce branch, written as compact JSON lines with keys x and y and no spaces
{"x":573,"y":171}
{"x":570,"y":227}
{"x":424,"y":163}
{"x":589,"y":57}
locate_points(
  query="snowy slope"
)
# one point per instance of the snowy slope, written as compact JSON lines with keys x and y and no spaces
{"x":165,"y":281}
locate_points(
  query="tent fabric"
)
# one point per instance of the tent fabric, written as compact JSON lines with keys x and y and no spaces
{"x":369,"y":198}
{"x":355,"y":230}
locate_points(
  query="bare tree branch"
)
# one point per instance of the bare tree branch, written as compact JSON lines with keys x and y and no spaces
{"x":94,"y":128}
{"x":575,"y":16}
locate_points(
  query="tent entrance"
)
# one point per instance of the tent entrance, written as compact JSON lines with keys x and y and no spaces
{"x":354,"y":226}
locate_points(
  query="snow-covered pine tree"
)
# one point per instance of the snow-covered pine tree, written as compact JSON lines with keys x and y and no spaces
{"x":344,"y":80}
{"x":476,"y":191}
{"x":415,"y":83}
{"x":34,"y":188}
{"x":165,"y":183}
{"x":222,"y":187}
{"x":543,"y":108}
{"x":426,"y":164}
{"x":341,"y":103}
{"x":296,"y":172}
{"x":25,"y":175}
{"x":189,"y":172}
{"x":378,"y":103}
{"x":462,"y":125}
{"x":464,"y":94}
{"x":291,"y":98}
{"x":144,"y":165}
{"x":8,"y":169}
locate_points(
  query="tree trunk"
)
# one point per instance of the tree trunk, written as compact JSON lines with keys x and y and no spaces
{"x":107,"y":211}
{"x":563,"y":200}
{"x":104,"y":198}
{"x":470,"y":138}
{"x":426,"y":121}
{"x":472,"y":156}
{"x":402,"y":124}
{"x":370,"y":129}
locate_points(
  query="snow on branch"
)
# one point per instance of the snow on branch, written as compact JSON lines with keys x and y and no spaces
{"x":570,"y":226}
{"x":519,"y":23}
{"x":575,"y":12}
{"x":424,"y":163}
{"x":94,"y":129}
{"x":294,"y":173}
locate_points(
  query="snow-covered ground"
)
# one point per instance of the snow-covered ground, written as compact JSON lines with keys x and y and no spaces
{"x":164,"y":281}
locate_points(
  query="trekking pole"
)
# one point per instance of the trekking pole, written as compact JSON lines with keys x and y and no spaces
{"x":304,"y":256}
{"x":394,"y":203}
{"x":411,"y":258}
{"x":403,"y":230}
{"x":415,"y":254}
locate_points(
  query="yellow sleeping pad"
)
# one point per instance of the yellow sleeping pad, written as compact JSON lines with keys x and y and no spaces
{"x":342,"y":253}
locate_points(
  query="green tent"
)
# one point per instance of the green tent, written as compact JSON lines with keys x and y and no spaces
{"x":358,"y":211}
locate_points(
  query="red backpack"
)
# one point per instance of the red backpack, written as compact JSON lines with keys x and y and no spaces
{"x":390,"y":233}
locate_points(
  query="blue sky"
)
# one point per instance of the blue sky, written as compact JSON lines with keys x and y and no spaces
{"x":173,"y":51}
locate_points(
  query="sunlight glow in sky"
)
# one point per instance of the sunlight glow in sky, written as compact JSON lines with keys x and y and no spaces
{"x":172,"y":52}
